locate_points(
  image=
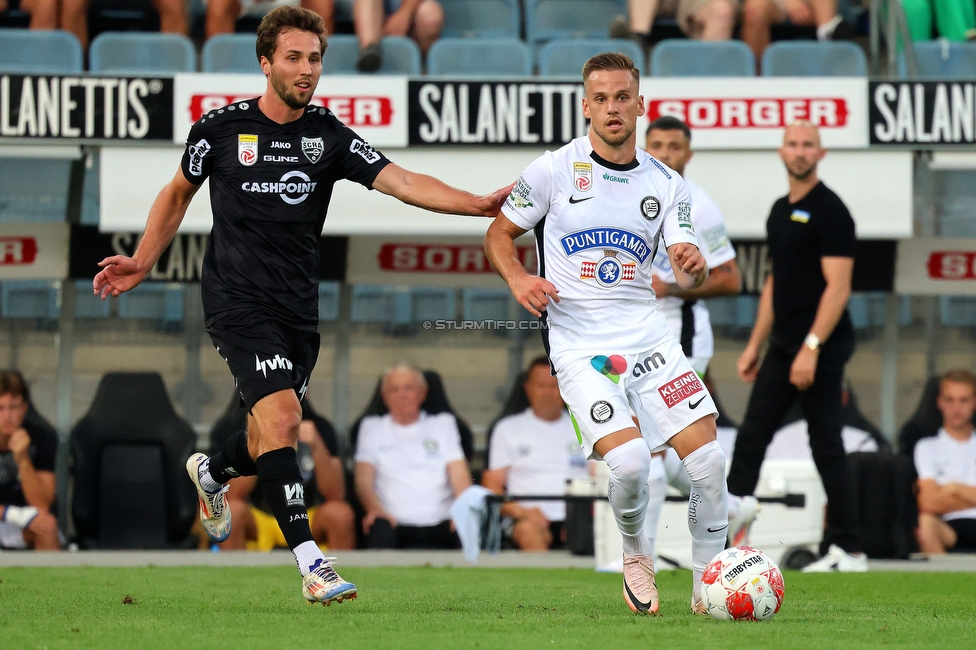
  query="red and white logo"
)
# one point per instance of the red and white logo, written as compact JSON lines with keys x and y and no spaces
{"x":351,"y":111}
{"x":433,"y":258}
{"x":952,"y":265}
{"x":752,"y":112}
{"x":680,"y":389}
{"x":583,"y":176}
{"x":247,"y":149}
{"x":17,"y":251}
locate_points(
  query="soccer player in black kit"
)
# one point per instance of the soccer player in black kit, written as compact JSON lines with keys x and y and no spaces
{"x":272,"y":162}
{"x":803,"y":311}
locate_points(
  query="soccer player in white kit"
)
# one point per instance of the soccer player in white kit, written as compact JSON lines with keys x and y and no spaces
{"x":668,"y":139}
{"x":600,"y":207}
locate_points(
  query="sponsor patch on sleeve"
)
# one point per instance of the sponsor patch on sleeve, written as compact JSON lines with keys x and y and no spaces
{"x":364,"y":149}
{"x":520,"y":194}
{"x":197,"y":153}
{"x":715,"y":238}
{"x":684,"y":216}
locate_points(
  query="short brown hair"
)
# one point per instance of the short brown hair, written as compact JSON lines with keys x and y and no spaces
{"x":287,"y":17}
{"x":610,"y":61}
{"x":959,"y":377}
{"x":12,"y":383}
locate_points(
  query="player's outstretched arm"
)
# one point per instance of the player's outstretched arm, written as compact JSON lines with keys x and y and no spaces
{"x":432,"y":194}
{"x":688,"y":265}
{"x":531,"y":291}
{"x":120,"y":273}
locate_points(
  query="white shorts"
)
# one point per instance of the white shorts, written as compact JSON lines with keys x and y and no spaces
{"x":659,"y":386}
{"x":11,"y":536}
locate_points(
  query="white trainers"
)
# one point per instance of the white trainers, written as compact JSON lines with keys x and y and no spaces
{"x":640,"y":590}
{"x":740,"y":525}
{"x":214,"y":513}
{"x":323,"y":585}
{"x":840,"y":561}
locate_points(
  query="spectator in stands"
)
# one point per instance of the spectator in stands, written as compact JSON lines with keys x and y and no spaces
{"x":946,"y":466}
{"x":535,"y":452}
{"x":27,"y":484}
{"x":222,"y":14}
{"x":173,"y":17}
{"x":43,"y":13}
{"x":409,"y":468}
{"x":955,"y":20}
{"x":707,"y":20}
{"x":332,"y":521}
{"x":758,"y":17}
{"x":421,"y":20}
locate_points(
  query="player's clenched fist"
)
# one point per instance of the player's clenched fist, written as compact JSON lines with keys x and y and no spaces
{"x":689,"y":258}
{"x":533,"y":293}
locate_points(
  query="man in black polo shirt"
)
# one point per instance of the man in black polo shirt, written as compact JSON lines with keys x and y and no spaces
{"x":803,"y":311}
{"x":272,"y":162}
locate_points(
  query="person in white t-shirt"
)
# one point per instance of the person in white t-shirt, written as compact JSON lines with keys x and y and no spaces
{"x":409,"y":468}
{"x":600,"y":207}
{"x":535,"y":452}
{"x":669,"y":140}
{"x":946,"y":466}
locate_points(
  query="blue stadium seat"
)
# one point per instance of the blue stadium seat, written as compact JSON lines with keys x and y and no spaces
{"x":400,"y":56}
{"x":141,"y":53}
{"x":155,"y":301}
{"x":943,"y":60}
{"x":479,"y":56}
{"x":814,"y":59}
{"x":565,"y":57}
{"x":489,"y":304}
{"x":230,"y":53}
{"x":481,"y":18}
{"x":33,"y":189}
{"x":689,"y":58}
{"x":30,"y":299}
{"x":957,"y":311}
{"x":35,"y":51}
{"x":328,"y":300}
{"x":546,"y":20}
{"x":373,"y":304}
{"x":87,"y":304}
{"x":870,"y":309}
{"x":432,"y":303}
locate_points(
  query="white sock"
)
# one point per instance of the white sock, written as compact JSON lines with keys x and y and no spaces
{"x":825,"y":31}
{"x":306,"y":555}
{"x":735,"y":505}
{"x":657,"y":488}
{"x":708,"y":508}
{"x":206,"y":480}
{"x":676,"y":472}
{"x":629,"y":466}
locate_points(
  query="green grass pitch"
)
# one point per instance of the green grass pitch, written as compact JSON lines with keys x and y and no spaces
{"x":418,"y":607}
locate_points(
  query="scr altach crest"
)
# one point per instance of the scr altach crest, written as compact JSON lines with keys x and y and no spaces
{"x":313,"y":148}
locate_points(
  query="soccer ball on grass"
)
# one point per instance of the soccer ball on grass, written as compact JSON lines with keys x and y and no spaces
{"x":742,"y":584}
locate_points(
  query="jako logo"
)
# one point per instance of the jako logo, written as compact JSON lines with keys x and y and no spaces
{"x":654,"y":361}
{"x":287,"y":190}
{"x":610,"y":367}
{"x":271,"y":364}
{"x":294,"y":494}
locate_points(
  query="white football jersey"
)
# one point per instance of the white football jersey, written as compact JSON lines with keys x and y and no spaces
{"x":716,"y":249}
{"x":597,"y":225}
{"x":944,"y":460}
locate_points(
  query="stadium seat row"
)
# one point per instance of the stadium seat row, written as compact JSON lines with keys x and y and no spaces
{"x":391,"y":305}
{"x":52,"y":52}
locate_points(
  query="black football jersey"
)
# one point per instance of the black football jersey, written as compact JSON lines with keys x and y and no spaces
{"x":270,"y":187}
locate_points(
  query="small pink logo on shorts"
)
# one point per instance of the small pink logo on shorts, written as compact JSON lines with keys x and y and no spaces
{"x":610,"y":367}
{"x":680,"y":389}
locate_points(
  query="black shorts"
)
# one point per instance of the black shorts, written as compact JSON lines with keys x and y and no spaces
{"x":965,"y":533}
{"x":264,"y":355}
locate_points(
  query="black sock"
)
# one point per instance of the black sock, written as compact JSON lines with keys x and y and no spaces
{"x":282,"y":487}
{"x":232,"y":460}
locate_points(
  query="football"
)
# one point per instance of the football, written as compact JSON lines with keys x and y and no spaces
{"x":742,"y":584}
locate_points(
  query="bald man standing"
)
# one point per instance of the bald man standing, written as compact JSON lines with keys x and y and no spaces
{"x":803,"y":315}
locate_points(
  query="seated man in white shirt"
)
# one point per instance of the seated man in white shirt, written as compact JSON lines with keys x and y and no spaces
{"x":409,"y":468}
{"x":535,"y":452}
{"x":946,"y":466}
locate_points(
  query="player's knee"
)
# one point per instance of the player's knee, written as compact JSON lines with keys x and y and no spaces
{"x":630,"y":464}
{"x":706,"y":465}
{"x":429,"y":19}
